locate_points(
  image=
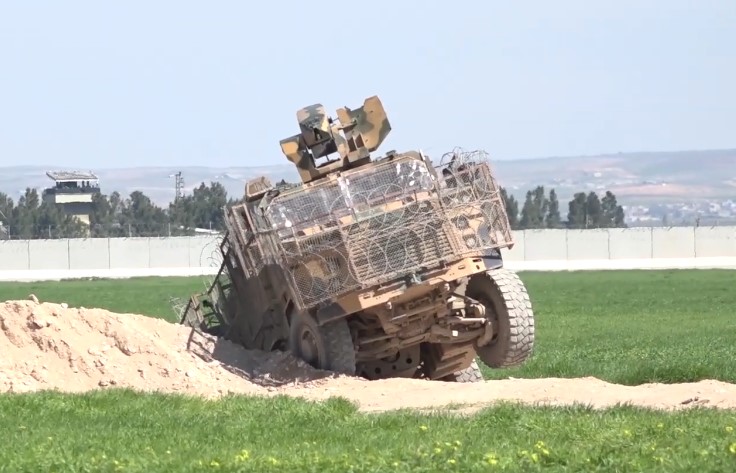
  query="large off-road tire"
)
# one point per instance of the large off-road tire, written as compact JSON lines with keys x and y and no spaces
{"x":328,"y":347}
{"x":509,"y":308}
{"x":471,"y":374}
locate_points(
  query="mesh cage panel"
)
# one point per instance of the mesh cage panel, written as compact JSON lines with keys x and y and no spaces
{"x":379,"y":222}
{"x":398,"y":242}
{"x":318,"y":266}
{"x":472,"y":201}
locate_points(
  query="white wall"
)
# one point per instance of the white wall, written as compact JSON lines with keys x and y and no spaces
{"x":106,"y":257}
{"x":624,"y":248}
{"x":634,"y":248}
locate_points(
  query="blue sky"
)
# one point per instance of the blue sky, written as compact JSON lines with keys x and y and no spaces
{"x":101,"y":84}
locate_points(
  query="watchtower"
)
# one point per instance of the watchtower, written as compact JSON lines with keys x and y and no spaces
{"x":73,"y":192}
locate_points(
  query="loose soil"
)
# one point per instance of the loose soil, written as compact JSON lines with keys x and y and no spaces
{"x":51,"y":346}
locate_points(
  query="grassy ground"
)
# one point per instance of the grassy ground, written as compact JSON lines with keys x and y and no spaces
{"x":149,"y":296}
{"x":633,"y":327}
{"x":626,"y":327}
{"x":122,"y":431}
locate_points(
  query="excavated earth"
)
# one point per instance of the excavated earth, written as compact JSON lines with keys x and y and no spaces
{"x":51,"y":346}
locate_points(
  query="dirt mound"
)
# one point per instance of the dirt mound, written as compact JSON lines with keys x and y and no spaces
{"x":426,"y":395}
{"x":52,"y":346}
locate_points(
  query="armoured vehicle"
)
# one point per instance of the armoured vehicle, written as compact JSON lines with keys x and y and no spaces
{"x":377,"y":267}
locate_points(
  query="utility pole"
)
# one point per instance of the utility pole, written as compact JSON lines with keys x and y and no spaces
{"x":178,"y":185}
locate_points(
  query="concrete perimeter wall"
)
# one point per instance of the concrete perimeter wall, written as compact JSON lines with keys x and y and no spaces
{"x":624,"y":248}
{"x":631,"y":248}
{"x":108,"y":257}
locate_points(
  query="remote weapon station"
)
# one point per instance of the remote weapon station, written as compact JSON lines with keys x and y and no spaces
{"x":377,"y":267}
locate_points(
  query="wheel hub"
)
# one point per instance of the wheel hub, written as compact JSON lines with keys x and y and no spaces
{"x":492,"y":318}
{"x":308,"y":347}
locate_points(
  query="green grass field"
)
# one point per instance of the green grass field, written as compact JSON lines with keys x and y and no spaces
{"x":148,"y":296}
{"x":123,"y":431}
{"x":627,"y":327}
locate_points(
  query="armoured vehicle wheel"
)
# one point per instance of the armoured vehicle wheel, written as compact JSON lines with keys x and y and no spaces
{"x":510,"y":310}
{"x":471,"y":374}
{"x":329,"y":347}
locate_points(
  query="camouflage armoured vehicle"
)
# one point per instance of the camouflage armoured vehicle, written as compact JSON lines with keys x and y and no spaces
{"x":385,"y":267}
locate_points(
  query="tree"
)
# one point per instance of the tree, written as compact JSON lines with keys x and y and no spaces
{"x":24,"y":215}
{"x":612,"y":214}
{"x":620,"y":219}
{"x":535,"y":208}
{"x":541,"y":205}
{"x":593,"y":211}
{"x":141,"y":217}
{"x":36,"y":218}
{"x":6,"y":215}
{"x":588,"y":211}
{"x":202,"y":209}
{"x":512,"y":208}
{"x":51,"y":222}
{"x":553,"y":219}
{"x":577,"y":214}
{"x":106,"y":218}
{"x":527,"y":212}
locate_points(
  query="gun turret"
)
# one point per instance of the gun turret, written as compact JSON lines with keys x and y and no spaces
{"x":355,"y":135}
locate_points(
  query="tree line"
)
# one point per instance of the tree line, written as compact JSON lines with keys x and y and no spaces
{"x":542,"y":210}
{"x":136,"y":215}
{"x":115,"y":216}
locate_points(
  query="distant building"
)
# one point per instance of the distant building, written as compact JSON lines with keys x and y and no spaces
{"x":73,"y":192}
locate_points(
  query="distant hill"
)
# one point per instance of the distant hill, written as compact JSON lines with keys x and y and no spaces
{"x":636,"y":178}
